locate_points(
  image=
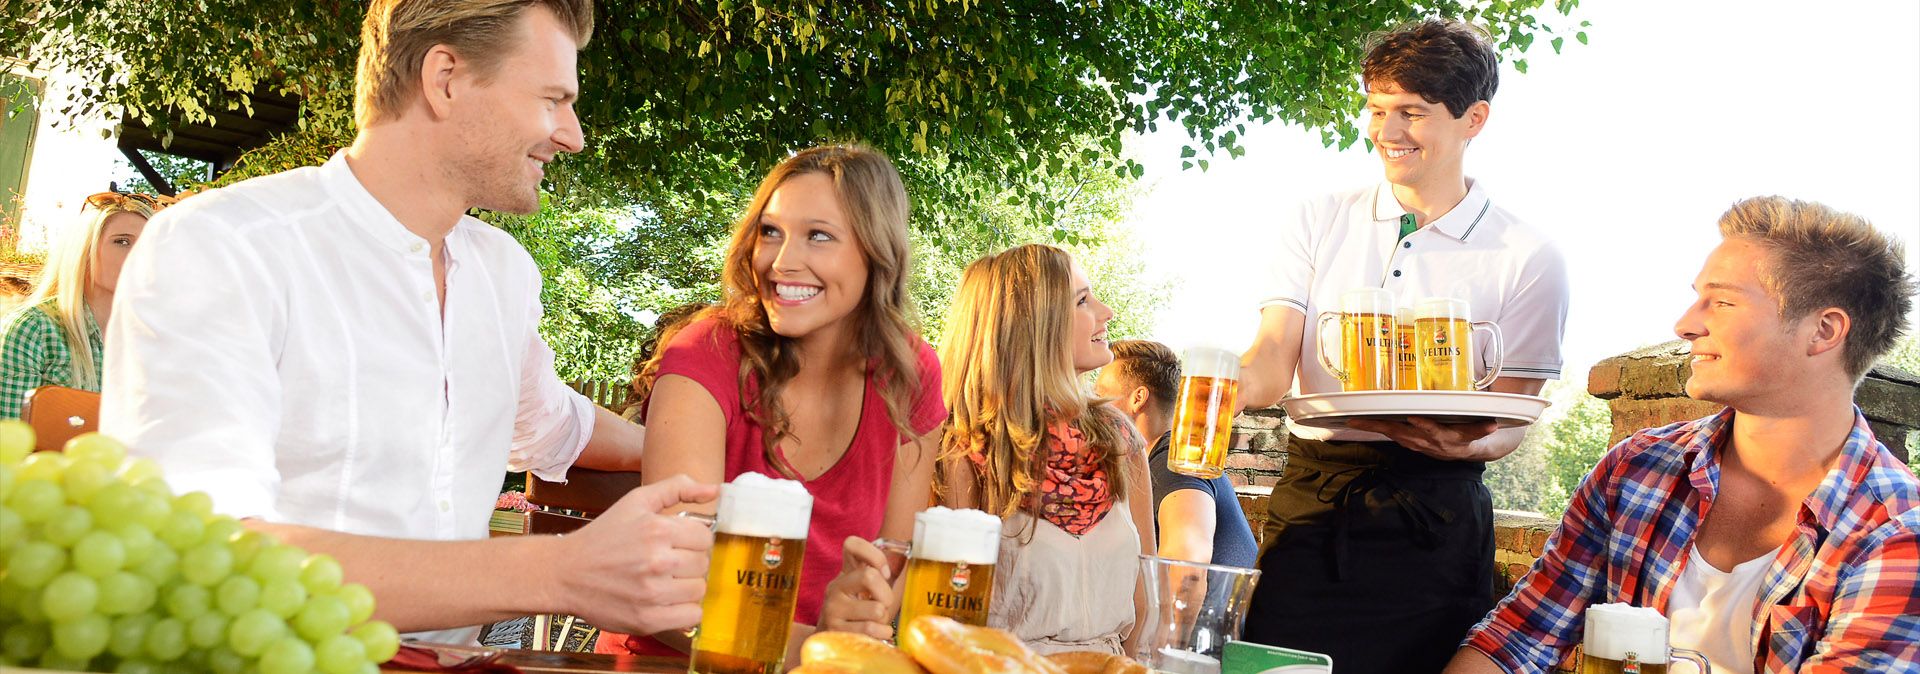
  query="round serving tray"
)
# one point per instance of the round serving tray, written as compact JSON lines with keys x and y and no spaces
{"x":1334,"y":410}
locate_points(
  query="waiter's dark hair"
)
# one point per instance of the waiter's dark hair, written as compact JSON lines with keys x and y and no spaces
{"x":1444,"y":61}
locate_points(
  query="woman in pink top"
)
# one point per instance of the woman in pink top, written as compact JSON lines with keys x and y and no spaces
{"x":808,"y":369}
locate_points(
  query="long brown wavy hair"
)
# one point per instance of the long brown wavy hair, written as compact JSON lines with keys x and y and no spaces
{"x":875,"y":202}
{"x":1007,"y":363}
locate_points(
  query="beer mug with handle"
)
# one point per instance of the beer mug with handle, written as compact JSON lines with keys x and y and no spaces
{"x":1203,"y":414}
{"x":1443,"y":346}
{"x":950,"y":570}
{"x":1405,"y":354}
{"x":1626,"y":639}
{"x":1367,"y":334}
{"x":753,"y":576}
{"x":1192,"y":611}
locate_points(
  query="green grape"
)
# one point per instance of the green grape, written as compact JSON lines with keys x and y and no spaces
{"x":368,"y":668}
{"x":34,"y":563}
{"x":222,"y":529}
{"x":23,"y":641}
{"x":159,"y":565}
{"x":223,"y":660}
{"x":68,"y":597}
{"x":28,"y":604}
{"x":139,"y":469}
{"x":287,"y":656}
{"x":99,"y":553}
{"x":83,"y":478}
{"x":186,"y":600}
{"x":252,"y":632}
{"x":139,"y":667}
{"x":320,"y":573}
{"x":6,"y":480}
{"x":36,"y":500}
{"x":16,"y":440}
{"x":380,"y":639}
{"x":129,"y":636}
{"x":237,"y":595}
{"x":245,"y":545}
{"x":151,"y":508}
{"x":122,"y":593}
{"x":196,"y":502}
{"x":167,"y":640}
{"x":13,"y":530}
{"x":96,"y":447}
{"x":43,"y":466}
{"x":339,"y":654}
{"x":67,"y":525}
{"x":138,"y":540}
{"x":116,"y":502}
{"x":359,"y":601}
{"x":83,"y":637}
{"x":55,"y":661}
{"x":323,"y":616}
{"x":275,"y":562}
{"x":207,"y":630}
{"x":283,"y":597}
{"x":182,"y":529}
{"x":206,"y":563}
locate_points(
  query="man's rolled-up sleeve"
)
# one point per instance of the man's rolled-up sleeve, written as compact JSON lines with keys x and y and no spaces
{"x":190,"y":378}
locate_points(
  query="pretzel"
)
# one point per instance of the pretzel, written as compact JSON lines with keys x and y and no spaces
{"x":945,"y":646}
{"x":850,"y":653}
{"x":1095,"y":662}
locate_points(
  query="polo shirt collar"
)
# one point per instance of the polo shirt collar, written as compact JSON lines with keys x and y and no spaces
{"x":362,"y":209}
{"x":1458,"y":223}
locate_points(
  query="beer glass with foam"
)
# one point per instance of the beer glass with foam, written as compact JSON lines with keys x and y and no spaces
{"x":1625,"y":639}
{"x":1368,"y":320}
{"x":1203,"y":414}
{"x":1405,"y":354}
{"x":753,"y":578}
{"x":1443,"y":345}
{"x":950,"y":571}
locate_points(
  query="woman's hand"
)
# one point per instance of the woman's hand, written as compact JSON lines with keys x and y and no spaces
{"x":861,"y":598}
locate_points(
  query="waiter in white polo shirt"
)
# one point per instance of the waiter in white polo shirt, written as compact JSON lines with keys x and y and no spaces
{"x":1379,"y":546}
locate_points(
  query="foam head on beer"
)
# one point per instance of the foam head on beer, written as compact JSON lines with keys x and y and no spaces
{"x":1441,"y":307}
{"x":1616,"y":630}
{"x":763,"y":507}
{"x":943,"y":534}
{"x":1207,"y":361}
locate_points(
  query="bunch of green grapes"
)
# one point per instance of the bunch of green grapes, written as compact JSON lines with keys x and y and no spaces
{"x":103,"y":568}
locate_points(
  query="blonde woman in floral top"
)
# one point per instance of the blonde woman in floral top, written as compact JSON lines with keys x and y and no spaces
{"x":54,"y":337}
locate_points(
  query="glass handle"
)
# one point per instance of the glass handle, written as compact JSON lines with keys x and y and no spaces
{"x":1320,"y":330}
{"x":1695,"y":657}
{"x":1499,"y":354}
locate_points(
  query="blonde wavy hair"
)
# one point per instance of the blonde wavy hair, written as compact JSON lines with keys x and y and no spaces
{"x":1007,"y":364}
{"x":69,"y":273}
{"x":874,"y":200}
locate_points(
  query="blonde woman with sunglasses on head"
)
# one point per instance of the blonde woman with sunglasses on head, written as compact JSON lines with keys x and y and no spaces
{"x":54,"y":337}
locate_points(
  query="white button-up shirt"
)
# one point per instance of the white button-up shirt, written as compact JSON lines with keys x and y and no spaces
{"x":279,"y":344}
{"x":1508,"y":274}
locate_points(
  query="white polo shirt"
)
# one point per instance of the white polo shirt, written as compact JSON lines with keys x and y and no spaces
{"x":1507,"y":272}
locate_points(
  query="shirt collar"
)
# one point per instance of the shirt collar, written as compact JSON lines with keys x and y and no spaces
{"x":1458,"y":223}
{"x":1828,"y":502}
{"x":365,"y":211}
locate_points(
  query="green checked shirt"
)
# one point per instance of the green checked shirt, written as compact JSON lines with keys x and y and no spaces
{"x":33,"y":353}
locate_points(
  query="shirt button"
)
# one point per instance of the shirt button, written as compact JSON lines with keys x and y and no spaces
{"x":1406,"y":244}
{"x":428,"y":296}
{"x":445,"y":506}
{"x":1396,"y":273}
{"x":417,"y":247}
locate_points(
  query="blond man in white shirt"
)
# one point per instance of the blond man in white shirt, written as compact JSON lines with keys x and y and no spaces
{"x":342,"y":356}
{"x":1389,"y":524}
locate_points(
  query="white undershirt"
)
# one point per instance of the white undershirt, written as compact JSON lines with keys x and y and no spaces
{"x":1712,"y":610}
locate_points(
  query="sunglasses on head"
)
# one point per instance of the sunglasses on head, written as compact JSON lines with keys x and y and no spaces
{"x":105,"y":200}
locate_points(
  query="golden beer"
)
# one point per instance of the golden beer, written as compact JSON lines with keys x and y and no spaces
{"x":1592,"y":665}
{"x":957,"y":590}
{"x":1442,"y":347}
{"x":1203,"y":414}
{"x":753,"y":577}
{"x":1405,"y":354}
{"x":1624,"y":639}
{"x":1367,"y":351}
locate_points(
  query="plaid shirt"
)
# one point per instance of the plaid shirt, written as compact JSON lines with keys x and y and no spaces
{"x":1843,"y":594}
{"x":34,"y":353}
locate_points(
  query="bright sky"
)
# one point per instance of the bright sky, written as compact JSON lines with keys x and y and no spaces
{"x":1625,"y":151}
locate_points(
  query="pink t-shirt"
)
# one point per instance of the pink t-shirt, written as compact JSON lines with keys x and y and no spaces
{"x":850,"y":498}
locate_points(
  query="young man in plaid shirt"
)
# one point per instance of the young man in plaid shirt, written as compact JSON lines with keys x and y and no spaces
{"x":1778,"y":535}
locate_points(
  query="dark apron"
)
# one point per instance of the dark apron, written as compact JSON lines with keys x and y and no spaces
{"x":1376,"y":555}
